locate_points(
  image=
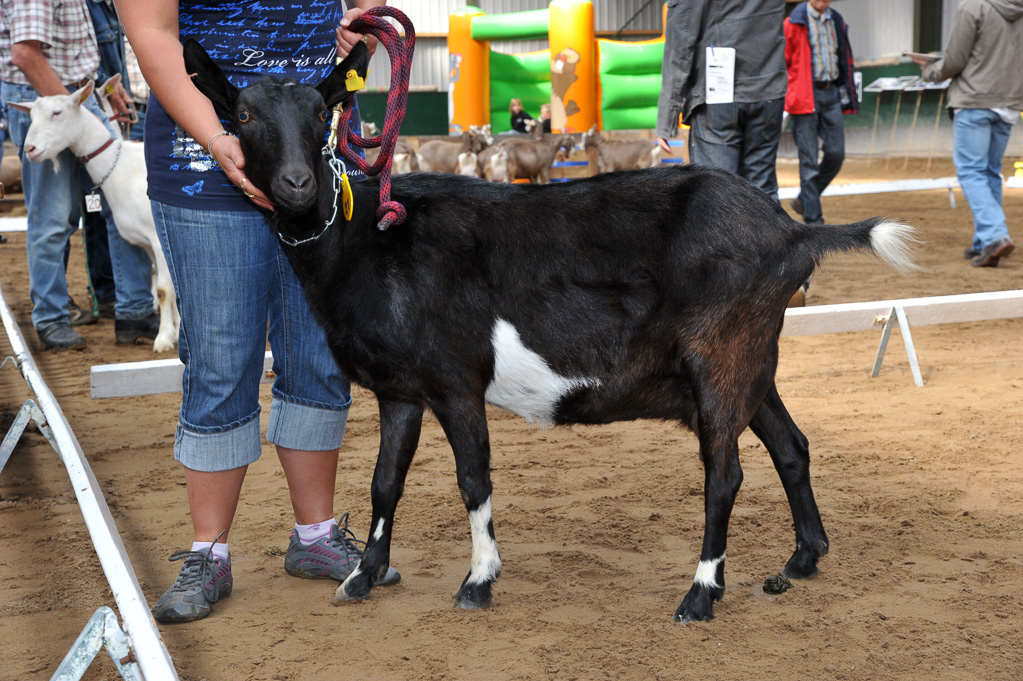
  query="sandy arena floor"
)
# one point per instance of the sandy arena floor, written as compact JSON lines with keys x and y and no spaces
{"x":921,"y":491}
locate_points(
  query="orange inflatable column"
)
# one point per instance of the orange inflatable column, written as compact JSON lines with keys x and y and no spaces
{"x":468,"y":73}
{"x":573,"y":66}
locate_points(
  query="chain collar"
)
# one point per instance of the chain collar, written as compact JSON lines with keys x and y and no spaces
{"x":338,"y":169}
{"x":114,"y":165}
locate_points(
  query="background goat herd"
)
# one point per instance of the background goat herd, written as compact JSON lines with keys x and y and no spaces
{"x":511,"y":156}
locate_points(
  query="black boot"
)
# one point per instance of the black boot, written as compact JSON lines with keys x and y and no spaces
{"x":137,"y":330}
{"x":61,"y":336}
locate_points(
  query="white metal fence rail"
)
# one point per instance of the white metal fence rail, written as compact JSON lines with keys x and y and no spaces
{"x":130,"y":379}
{"x":147,"y":648}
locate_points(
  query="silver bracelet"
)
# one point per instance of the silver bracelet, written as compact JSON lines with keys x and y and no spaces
{"x":209,"y":145}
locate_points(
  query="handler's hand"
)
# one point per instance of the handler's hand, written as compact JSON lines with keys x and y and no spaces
{"x":663,"y":144}
{"x":347,"y":39}
{"x":227,"y":150}
{"x":120,"y":101}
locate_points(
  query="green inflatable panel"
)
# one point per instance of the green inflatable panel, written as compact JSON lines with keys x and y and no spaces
{"x":630,"y":83}
{"x":512,"y":26}
{"x":629,"y":58}
{"x":642,"y":118}
{"x":623,"y":92}
{"x":527,"y":77}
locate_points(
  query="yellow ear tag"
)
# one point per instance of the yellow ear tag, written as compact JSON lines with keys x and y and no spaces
{"x":347,"y":198}
{"x":109,"y":90}
{"x":353,"y":82}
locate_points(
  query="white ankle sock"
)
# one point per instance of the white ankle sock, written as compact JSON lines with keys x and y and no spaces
{"x":307,"y":534}
{"x":220,"y":549}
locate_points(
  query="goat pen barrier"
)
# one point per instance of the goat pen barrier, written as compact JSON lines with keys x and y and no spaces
{"x":131,"y":379}
{"x":137,"y":649}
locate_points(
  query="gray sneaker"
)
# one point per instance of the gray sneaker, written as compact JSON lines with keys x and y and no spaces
{"x":332,"y":557}
{"x":204,"y":579}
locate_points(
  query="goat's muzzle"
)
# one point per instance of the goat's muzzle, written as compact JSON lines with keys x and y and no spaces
{"x":294,"y":188}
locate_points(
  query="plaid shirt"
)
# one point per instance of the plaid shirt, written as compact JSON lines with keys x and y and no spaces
{"x":139,"y":86}
{"x":823,"y":45}
{"x":62,"y":26}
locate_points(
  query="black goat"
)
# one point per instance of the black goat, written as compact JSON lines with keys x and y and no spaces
{"x":654,"y":293}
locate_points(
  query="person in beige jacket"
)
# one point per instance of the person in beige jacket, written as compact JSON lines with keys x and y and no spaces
{"x":984,"y":59}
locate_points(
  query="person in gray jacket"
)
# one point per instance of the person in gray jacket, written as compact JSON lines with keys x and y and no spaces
{"x":736,"y":129}
{"x":984,"y":59}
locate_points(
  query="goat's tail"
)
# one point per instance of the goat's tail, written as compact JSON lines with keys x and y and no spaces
{"x":889,"y":240}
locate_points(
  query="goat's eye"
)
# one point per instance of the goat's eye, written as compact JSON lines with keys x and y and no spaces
{"x":244,"y":117}
{"x":323,"y":116}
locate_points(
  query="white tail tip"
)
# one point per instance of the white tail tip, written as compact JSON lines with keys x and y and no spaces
{"x":893,"y":243}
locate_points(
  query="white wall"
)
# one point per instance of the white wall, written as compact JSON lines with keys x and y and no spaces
{"x":878,"y":28}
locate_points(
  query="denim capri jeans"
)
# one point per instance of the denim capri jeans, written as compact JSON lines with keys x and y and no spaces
{"x":236,"y":288}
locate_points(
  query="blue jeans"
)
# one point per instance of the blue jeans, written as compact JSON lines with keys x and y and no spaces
{"x":741,"y":137}
{"x":230,"y":275}
{"x":826,"y":124}
{"x":979,"y":144}
{"x":51,"y":195}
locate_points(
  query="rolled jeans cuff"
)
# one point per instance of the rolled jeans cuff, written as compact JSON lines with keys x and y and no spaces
{"x":220,"y":451}
{"x":304,"y":427}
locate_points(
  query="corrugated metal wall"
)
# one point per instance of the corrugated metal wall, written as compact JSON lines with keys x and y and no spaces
{"x":877,"y":28}
{"x":430,"y":17}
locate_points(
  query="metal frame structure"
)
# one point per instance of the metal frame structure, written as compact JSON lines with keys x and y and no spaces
{"x":139,"y":649}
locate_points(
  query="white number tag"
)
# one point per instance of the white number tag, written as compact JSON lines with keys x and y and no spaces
{"x":93,"y":203}
{"x":720,"y":74}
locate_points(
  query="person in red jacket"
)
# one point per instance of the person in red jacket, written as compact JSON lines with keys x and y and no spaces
{"x":821,"y":88}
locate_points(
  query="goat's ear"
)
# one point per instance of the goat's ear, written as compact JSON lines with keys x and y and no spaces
{"x":335,"y":87}
{"x":24,"y":107}
{"x":110,"y":84}
{"x":82,"y":94}
{"x":209,"y":79}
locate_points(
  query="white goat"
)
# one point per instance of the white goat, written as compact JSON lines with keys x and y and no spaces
{"x":467,"y":164}
{"x":60,"y":122}
{"x":404,"y":159}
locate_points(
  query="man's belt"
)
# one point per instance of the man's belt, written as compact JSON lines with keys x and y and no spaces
{"x":75,"y":85}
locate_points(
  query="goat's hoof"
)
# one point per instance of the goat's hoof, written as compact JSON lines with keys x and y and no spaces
{"x":801,"y":566}
{"x":163,"y":346}
{"x":474,"y":596}
{"x":698,"y":605}
{"x":803,"y":563}
{"x":355,"y":588}
{"x":387,"y":576}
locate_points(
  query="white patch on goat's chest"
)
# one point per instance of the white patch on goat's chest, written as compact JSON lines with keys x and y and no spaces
{"x":523,"y":382}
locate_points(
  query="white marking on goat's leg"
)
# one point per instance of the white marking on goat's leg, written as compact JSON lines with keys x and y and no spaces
{"x":707,"y":573}
{"x":379,"y":531}
{"x":486,"y":560}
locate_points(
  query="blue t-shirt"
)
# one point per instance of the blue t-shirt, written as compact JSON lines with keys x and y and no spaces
{"x":247,"y":40}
